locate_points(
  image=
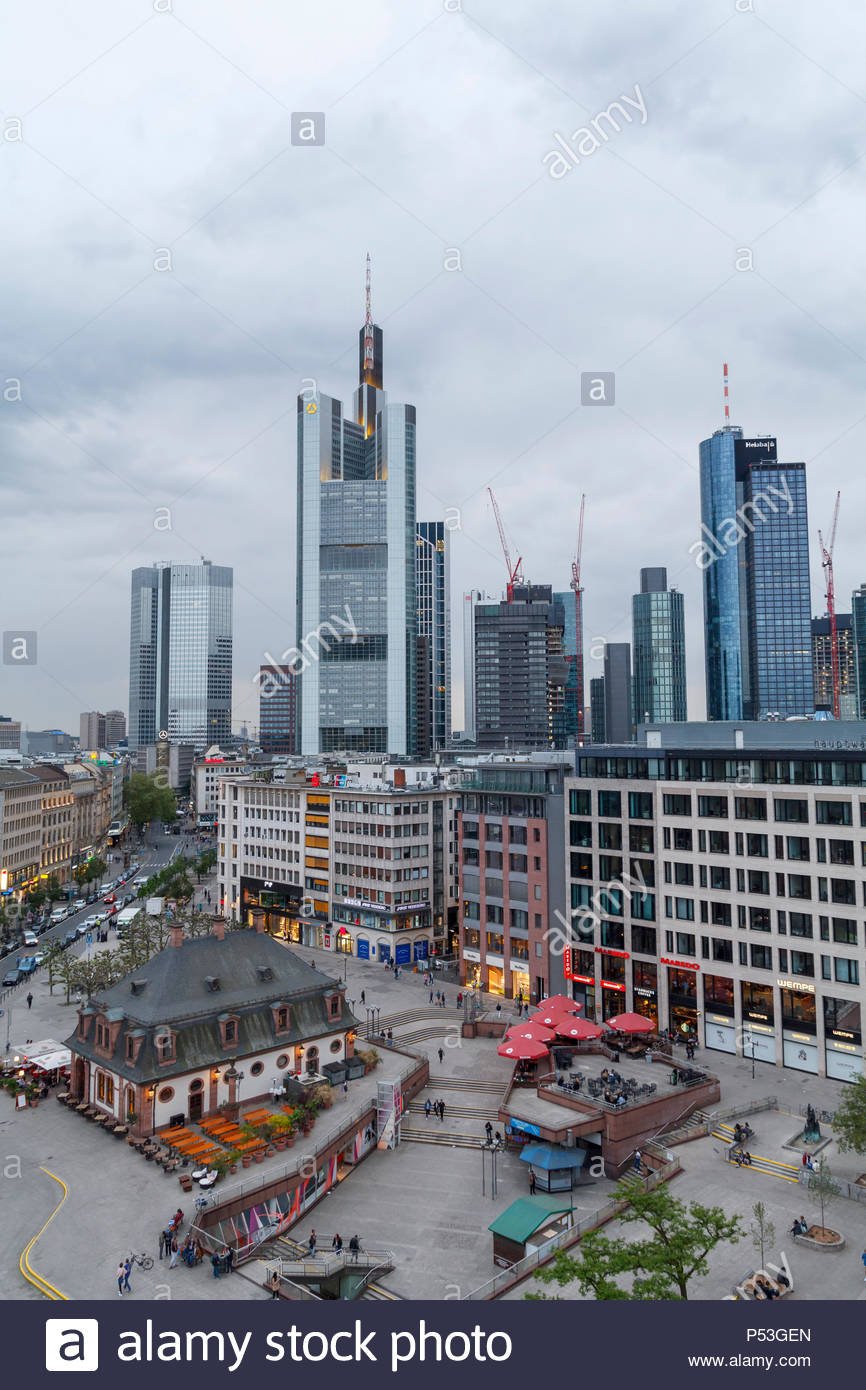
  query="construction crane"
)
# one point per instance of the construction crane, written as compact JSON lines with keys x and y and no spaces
{"x":515,"y":572}
{"x":827,"y":566}
{"x":578,"y":624}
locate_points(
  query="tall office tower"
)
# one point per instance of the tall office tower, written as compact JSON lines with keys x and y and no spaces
{"x":91,"y":730}
{"x":278,"y":686}
{"x":433,"y":590}
{"x":618,"y":710}
{"x":596,"y":709}
{"x":659,"y":643}
{"x":356,"y":605}
{"x":858,"y":619}
{"x":469,"y":721}
{"x":566,"y":601}
{"x":822,"y":666}
{"x":115,"y":727}
{"x":754,"y":553}
{"x":180,"y":661}
{"x":520,"y":670}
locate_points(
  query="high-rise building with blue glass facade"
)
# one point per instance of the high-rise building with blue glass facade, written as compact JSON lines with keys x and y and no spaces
{"x":180,"y":663}
{"x":755,"y":558}
{"x":356,"y":600}
{"x":567,"y":735}
{"x":658,"y":650}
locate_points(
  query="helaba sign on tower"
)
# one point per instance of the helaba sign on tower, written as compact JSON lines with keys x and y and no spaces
{"x":748,"y":451}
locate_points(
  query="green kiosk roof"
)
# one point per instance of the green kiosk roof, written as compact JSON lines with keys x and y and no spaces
{"x":519,"y":1221}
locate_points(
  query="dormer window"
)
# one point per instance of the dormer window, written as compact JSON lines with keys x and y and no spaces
{"x":231,"y":1031}
{"x":130,"y":1048}
{"x":335,"y":1008}
{"x":212,"y":982}
{"x":164,"y":1044}
{"x":282,"y":1019}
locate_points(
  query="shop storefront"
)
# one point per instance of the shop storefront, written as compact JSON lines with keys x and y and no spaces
{"x":613,"y":966}
{"x":519,"y":979}
{"x":645,"y":990}
{"x":682,"y":996}
{"x":282,"y":906}
{"x":759,"y":1022}
{"x":843,"y":1039}
{"x":799,"y":1026}
{"x":579,"y":970}
{"x":720,"y":1032}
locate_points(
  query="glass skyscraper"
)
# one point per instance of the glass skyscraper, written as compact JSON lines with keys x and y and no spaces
{"x":180,"y":662}
{"x":567,"y":735}
{"x":356,"y":601}
{"x":659,"y":650}
{"x":755,"y":557}
{"x":433,"y":589}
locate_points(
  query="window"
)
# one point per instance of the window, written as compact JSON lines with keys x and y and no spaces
{"x":642,"y":841}
{"x":677,"y":804}
{"x":683,"y":840}
{"x":841,"y":851}
{"x":640,"y":805}
{"x":230,"y":1031}
{"x":800,"y":923}
{"x":802,"y":963}
{"x":756,"y":845}
{"x":847,"y":972}
{"x":723,"y":950}
{"x":685,"y":909}
{"x":719,"y":842}
{"x":164,"y":1044}
{"x":684,"y":874}
{"x":643,"y":906}
{"x":579,"y":802}
{"x":750,"y":807}
{"x":613,"y":935}
{"x":196,"y":1085}
{"x":610,"y":804}
{"x":761,"y":957}
{"x":257,"y":1068}
{"x":165,"y":1094}
{"x":282,"y":1019}
{"x":759,"y":919}
{"x":580,"y":833}
{"x":799,"y":886}
{"x":581,"y":865}
{"x":791,"y":811}
{"x":610,"y":835}
{"x":843,"y":890}
{"x":844,"y":931}
{"x":833,"y":812}
{"x":720,"y":914}
{"x":283,"y":1061}
{"x":798,"y":847}
{"x":759,"y":881}
{"x":643,"y":940}
{"x":685,"y":943}
{"x":105,"y":1088}
{"x":720,"y":878}
{"x":713,"y":806}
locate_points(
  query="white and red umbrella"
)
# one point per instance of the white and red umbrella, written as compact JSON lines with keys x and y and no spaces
{"x":577,"y":1029}
{"x":559,"y":1003}
{"x":535,"y":1032}
{"x":631,"y":1023}
{"x":522,"y":1050}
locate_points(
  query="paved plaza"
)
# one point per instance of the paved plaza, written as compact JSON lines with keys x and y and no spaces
{"x":424,"y":1201}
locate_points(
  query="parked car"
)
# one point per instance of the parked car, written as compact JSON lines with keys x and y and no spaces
{"x":79,"y":904}
{"x":92,"y":898}
{"x":12,"y":977}
{"x":29,"y":938}
{"x":110,"y":898}
{"x":71,"y":935}
{"x":26,"y":965}
{"x":129,"y":898}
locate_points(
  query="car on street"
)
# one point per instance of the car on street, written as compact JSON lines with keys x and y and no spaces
{"x":110,"y":898}
{"x":79,"y":904}
{"x":129,"y":898}
{"x":12,"y":977}
{"x":30,"y":938}
{"x":69,"y":938}
{"x":92,"y":898}
{"x":26,"y":965}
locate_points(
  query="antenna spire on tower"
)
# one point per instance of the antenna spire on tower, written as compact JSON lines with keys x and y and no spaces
{"x":368,"y":320}
{"x":727,"y":396}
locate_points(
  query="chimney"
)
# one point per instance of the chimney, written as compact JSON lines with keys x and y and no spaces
{"x":175,"y":935}
{"x":258,"y":917}
{"x":219,"y":928}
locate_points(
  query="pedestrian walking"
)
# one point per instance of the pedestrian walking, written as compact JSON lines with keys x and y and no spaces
{"x":127,"y":1270}
{"x":311,"y":1243}
{"x":215,"y":1265}
{"x":30,"y":1001}
{"x":488,"y":1130}
{"x":442,"y":1110}
{"x":438,"y":994}
{"x":427,"y":1108}
{"x":337,"y":1244}
{"x":498,"y":1010}
{"x":431,"y":996}
{"x":120,"y":1273}
{"x":175,"y":1251}
{"x":637,"y":1160}
{"x":345,"y":1086}
{"x":354,"y":1248}
{"x":363,"y":996}
{"x":441,"y":1056}
{"x":161,"y":1243}
{"x":532,"y":1182}
{"x":460,"y":1001}
{"x":274,"y":1285}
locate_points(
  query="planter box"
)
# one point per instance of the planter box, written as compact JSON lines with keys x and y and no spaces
{"x":336,"y":1072}
{"x":830,"y":1247}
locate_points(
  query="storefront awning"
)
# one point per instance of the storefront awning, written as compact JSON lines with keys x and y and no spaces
{"x":550,"y":1158}
{"x":47,"y":1055}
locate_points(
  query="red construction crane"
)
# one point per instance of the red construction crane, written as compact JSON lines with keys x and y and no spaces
{"x":578,"y":623}
{"x":827,"y":566}
{"x":515,"y":573}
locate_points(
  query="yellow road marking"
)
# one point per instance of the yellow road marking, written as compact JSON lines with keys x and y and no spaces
{"x":37,"y":1280}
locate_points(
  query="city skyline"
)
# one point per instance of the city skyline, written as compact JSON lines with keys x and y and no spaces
{"x":203,"y":428}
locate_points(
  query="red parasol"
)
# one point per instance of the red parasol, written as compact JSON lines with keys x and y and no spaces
{"x":522,"y":1050}
{"x":577,"y":1029}
{"x":631,"y":1023}
{"x":549,"y":1018}
{"x":535,"y":1032}
{"x":559,"y":1003}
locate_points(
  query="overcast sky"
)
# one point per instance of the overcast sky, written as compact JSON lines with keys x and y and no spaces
{"x":145,"y":388}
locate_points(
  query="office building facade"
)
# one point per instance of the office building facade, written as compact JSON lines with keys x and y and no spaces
{"x":356,"y":599}
{"x":278,"y":709}
{"x":520,"y":670}
{"x":659,"y":646}
{"x":433,"y":592}
{"x":180,"y":668}
{"x":754,"y":553}
{"x":566,"y":736}
{"x":596,"y":709}
{"x":618,"y":704}
{"x":716,"y":887}
{"x":858,"y":622}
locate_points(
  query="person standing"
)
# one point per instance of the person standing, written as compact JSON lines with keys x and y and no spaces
{"x":532,"y":1182}
{"x":862,"y":1259}
{"x":127,"y":1270}
{"x":30,"y":1001}
{"x":442,"y":1110}
{"x":337,"y":1244}
{"x":363,"y":996}
{"x":441,"y":1055}
{"x":175,"y":1249}
{"x":230,"y":1259}
{"x":488,"y":1130}
{"x":161,"y":1243}
{"x":274,"y":1285}
{"x":215,"y":1265}
{"x":120,"y":1274}
{"x":431,"y":996}
{"x":427,"y":1108}
{"x":311,"y":1243}
{"x":637,"y":1160}
{"x":354,"y":1247}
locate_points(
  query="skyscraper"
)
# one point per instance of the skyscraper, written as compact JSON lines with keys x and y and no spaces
{"x":566,"y":599}
{"x":356,"y":601}
{"x":520,"y":670}
{"x":755,"y":556}
{"x":433,"y":590}
{"x":278,"y":709}
{"x":659,"y":644}
{"x":618,"y":708}
{"x":180,"y":660}
{"x":822,"y":666}
{"x":596,"y":710}
{"x":858,"y":618}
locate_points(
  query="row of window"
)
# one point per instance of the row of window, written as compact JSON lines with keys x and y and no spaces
{"x":641,"y":806}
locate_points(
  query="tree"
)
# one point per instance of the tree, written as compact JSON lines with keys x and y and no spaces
{"x":824,"y":1188}
{"x":682,"y":1237}
{"x":53,"y":958}
{"x":55,"y":892}
{"x":147,"y":799}
{"x":762,"y":1230}
{"x":849,"y":1122}
{"x":35,"y":898}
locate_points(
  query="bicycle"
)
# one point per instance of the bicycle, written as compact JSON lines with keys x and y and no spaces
{"x":143,"y":1261}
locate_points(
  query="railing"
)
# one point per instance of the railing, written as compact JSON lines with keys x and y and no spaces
{"x":546,"y":1252}
{"x":749,"y":1107}
{"x":327,"y":1264}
